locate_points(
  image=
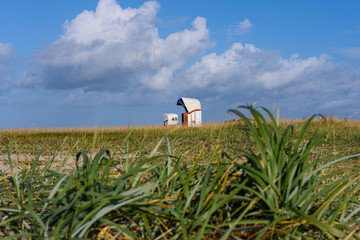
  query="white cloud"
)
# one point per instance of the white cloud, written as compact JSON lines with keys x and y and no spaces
{"x":240,"y":28}
{"x":245,"y":73}
{"x":251,"y":66}
{"x":245,"y":25}
{"x":116,"y":49}
{"x":115,"y":56}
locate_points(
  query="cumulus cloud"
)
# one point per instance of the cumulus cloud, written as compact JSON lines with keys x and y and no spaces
{"x":114,"y":49}
{"x":252,"y":67}
{"x":115,"y":55}
{"x":244,"y":73}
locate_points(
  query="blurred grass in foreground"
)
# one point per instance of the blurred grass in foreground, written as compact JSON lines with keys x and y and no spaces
{"x":251,"y":178}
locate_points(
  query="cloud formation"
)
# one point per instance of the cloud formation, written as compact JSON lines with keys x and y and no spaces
{"x":239,"y":29}
{"x":242,"y":27}
{"x":115,"y":55}
{"x":253,"y":67}
{"x":245,"y":73}
{"x":116,"y":49}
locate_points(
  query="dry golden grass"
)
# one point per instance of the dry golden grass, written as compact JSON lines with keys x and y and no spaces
{"x":161,"y":171}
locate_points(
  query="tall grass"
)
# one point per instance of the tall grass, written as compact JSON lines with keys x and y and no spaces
{"x":285,"y":177}
{"x":255,"y":178}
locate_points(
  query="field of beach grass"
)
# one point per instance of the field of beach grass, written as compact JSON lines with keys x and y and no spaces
{"x":257,"y":177}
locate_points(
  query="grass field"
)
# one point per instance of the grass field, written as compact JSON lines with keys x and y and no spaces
{"x":251,"y":178}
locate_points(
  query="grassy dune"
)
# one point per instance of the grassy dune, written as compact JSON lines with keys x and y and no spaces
{"x":251,"y":178}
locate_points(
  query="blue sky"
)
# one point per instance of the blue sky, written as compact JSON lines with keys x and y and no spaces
{"x":77,"y":63}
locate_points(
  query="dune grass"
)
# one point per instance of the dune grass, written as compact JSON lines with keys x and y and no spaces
{"x":257,"y":177}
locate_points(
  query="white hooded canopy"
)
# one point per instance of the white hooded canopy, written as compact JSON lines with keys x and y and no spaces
{"x":190,"y":104}
{"x":192,"y":117}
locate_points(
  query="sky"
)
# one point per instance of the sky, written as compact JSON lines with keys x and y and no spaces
{"x":86,"y":63}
